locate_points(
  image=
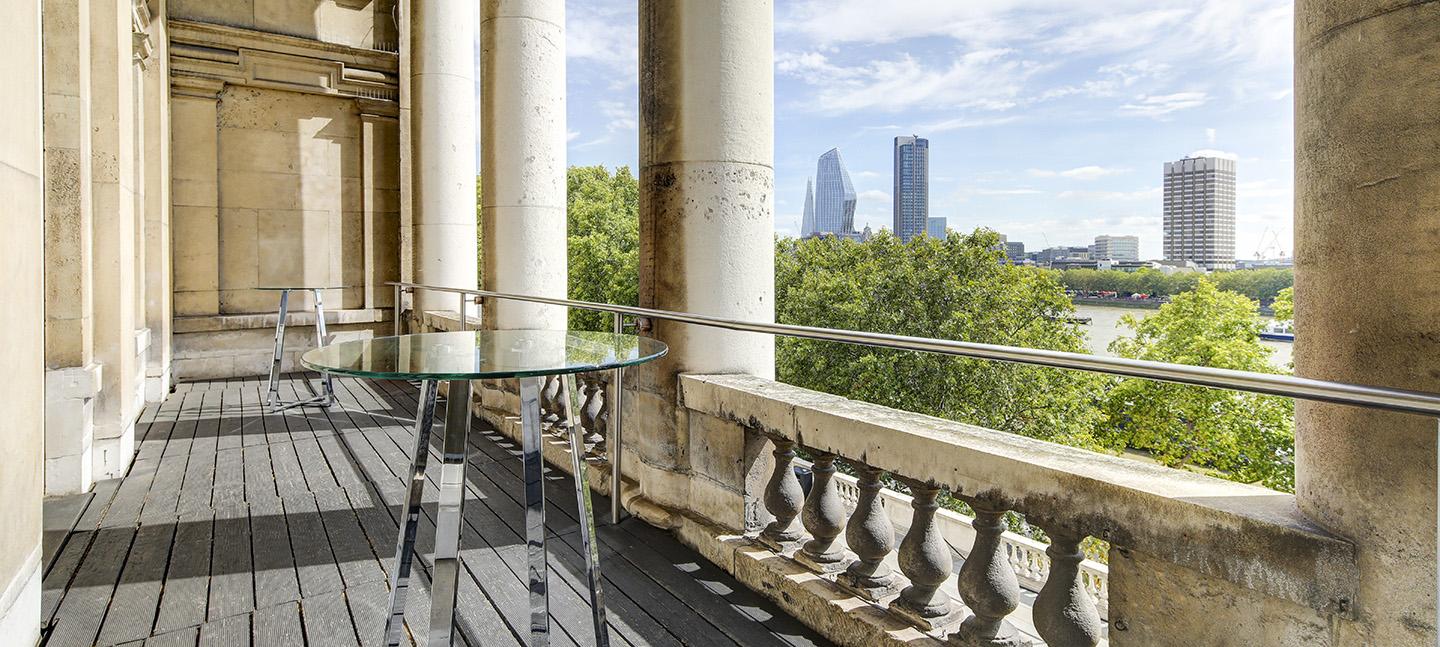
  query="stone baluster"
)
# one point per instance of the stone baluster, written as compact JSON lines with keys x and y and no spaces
{"x":590,"y":410}
{"x":550,"y":404}
{"x":783,"y":497}
{"x":925,"y":559}
{"x":988,"y":585}
{"x":1065,"y":615}
{"x":824,"y":518}
{"x":871,"y":536}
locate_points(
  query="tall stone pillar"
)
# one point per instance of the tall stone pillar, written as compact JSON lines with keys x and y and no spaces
{"x":72,"y":378}
{"x":158,"y":312}
{"x":442,"y":113}
{"x":522,"y":61}
{"x":112,"y":117}
{"x":1367,"y":292}
{"x":707,"y":120}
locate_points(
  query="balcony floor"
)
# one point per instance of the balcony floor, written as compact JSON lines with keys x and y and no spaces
{"x":238,"y":527}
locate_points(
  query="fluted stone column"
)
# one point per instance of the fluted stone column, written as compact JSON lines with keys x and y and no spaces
{"x":522,"y":60}
{"x":442,"y":129}
{"x":159,"y":316}
{"x":1367,"y":294}
{"x":707,"y":230}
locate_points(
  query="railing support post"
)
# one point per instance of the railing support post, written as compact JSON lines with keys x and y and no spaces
{"x":824,"y":518}
{"x":615,"y":444}
{"x":871,"y":536}
{"x":987,"y":584}
{"x":783,"y":497}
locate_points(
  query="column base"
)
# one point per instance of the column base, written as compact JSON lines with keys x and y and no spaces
{"x":926,"y":619}
{"x":1006,"y":636}
{"x":112,"y":456}
{"x":840,"y":562}
{"x":157,"y":385}
{"x":871,"y":589}
{"x":20,"y":604}
{"x":70,"y":428}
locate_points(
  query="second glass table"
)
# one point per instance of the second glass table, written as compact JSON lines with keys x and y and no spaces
{"x":457,"y":358}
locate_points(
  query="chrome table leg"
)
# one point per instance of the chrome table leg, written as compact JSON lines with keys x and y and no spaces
{"x":325,"y":383}
{"x":405,"y":545}
{"x":272,"y":397}
{"x":589,"y":542}
{"x":445,"y":573}
{"x":534,"y":469}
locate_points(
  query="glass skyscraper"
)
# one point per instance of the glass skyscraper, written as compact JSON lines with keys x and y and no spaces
{"x":912,"y":186}
{"x":834,"y":196}
{"x":807,"y":223}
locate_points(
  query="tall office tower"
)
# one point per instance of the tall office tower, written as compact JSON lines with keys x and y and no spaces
{"x":834,"y":196}
{"x":1200,"y":212}
{"x":807,"y":222}
{"x":912,"y":186}
{"x":1116,"y":248}
{"x":935,"y":228}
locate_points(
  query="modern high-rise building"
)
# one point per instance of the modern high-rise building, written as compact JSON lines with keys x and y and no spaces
{"x":912,"y":186}
{"x":1200,"y":212}
{"x":935,"y":227}
{"x":1116,"y":248}
{"x":807,"y":222}
{"x":834,"y":196}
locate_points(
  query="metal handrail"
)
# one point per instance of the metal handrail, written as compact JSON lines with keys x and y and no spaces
{"x":1374,"y":397}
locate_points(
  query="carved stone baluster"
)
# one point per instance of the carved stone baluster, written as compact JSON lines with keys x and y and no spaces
{"x":1065,"y":615}
{"x":824,"y":518}
{"x":925,"y":559}
{"x":783,"y":497}
{"x":871,"y":536}
{"x":988,"y":585}
{"x":550,"y":404}
{"x":601,"y":414}
{"x":590,"y":410}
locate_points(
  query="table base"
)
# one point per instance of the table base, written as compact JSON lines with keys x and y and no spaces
{"x":272,"y":395}
{"x":451,"y":483}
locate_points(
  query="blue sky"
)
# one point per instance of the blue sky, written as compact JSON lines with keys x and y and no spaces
{"x":1048,"y":120}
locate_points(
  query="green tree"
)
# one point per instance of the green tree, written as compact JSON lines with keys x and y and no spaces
{"x":955,"y":288}
{"x":1284,"y":305}
{"x":1245,"y":437}
{"x":604,"y":237}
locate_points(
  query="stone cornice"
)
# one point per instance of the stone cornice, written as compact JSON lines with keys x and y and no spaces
{"x":260,"y":59}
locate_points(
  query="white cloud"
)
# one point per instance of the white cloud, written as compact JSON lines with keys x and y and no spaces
{"x":988,"y":79}
{"x":1160,"y":105}
{"x":621,"y":115}
{"x":873,"y":195}
{"x":607,"y":33}
{"x":1210,"y":136}
{"x":1017,"y":191}
{"x":572,"y":135}
{"x":1210,"y":152}
{"x":866,"y":174}
{"x":966,"y":122}
{"x":1141,"y":194}
{"x":1079,"y":173}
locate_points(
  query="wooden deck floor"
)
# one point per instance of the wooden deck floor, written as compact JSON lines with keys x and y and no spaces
{"x":238,"y":527}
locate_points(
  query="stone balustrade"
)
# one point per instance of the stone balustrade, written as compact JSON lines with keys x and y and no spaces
{"x":1195,"y":534}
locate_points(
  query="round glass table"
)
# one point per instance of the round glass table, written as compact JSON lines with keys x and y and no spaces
{"x":457,"y":358}
{"x":272,"y":397}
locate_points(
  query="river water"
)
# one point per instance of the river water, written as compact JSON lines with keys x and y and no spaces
{"x":1105,"y":327}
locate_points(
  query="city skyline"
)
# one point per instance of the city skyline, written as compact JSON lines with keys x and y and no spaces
{"x":1046,"y":125}
{"x":911,"y":181}
{"x":834,"y":196}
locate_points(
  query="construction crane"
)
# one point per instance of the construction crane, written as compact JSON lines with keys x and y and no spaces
{"x":1269,"y":244}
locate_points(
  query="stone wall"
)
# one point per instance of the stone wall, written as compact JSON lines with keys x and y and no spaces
{"x":286,"y":172}
{"x":22,"y":360}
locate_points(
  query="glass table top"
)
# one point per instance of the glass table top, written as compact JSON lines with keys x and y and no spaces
{"x":480,"y":354}
{"x":276,"y":288}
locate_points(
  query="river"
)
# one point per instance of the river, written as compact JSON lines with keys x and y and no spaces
{"x":1105,"y":327}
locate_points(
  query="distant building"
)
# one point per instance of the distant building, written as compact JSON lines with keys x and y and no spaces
{"x":912,"y":187}
{"x":935,"y":227}
{"x":1200,"y":212}
{"x":834,"y":196}
{"x":1015,"y":250}
{"x":1049,"y":255}
{"x":807,"y":222}
{"x":1116,"y":248}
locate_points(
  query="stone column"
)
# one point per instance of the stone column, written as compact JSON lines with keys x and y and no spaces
{"x":112,"y":117}
{"x":380,"y":192}
{"x":195,"y":195}
{"x":158,"y":313}
{"x":522,"y":121}
{"x":707,"y":104}
{"x":442,"y":112}
{"x":1367,"y":294}
{"x":72,"y":377}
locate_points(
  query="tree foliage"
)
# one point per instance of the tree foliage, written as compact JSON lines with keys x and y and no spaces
{"x":604,"y":236}
{"x":1284,"y":305}
{"x":1262,"y":285}
{"x":1246,"y":437}
{"x":955,"y":288}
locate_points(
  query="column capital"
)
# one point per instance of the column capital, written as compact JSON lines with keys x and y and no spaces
{"x":195,"y":87}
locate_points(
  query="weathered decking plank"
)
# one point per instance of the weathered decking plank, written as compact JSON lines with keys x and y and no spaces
{"x":236,"y":526}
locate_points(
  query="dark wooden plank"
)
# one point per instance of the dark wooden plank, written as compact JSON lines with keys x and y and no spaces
{"x":285,"y":465}
{"x":232,"y":588}
{"x":229,"y":477}
{"x":78,"y":619}
{"x":125,"y":509}
{"x":233,"y":631}
{"x":252,"y":398}
{"x":57,"y":579}
{"x":274,"y":564}
{"x":314,"y":562}
{"x":369,"y":609}
{"x":60,"y":514}
{"x":163,"y":502}
{"x":187,"y":580}
{"x":228,"y":429}
{"x":327,"y":621}
{"x":277,"y":625}
{"x":259,"y":473}
{"x":186,"y":637}
{"x":137,"y":597}
{"x":357,"y":561}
